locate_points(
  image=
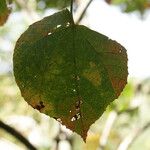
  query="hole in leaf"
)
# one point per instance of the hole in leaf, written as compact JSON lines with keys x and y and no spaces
{"x":68,"y":24}
{"x":74,"y":90}
{"x":59,"y":120}
{"x":58,"y":25}
{"x":73,"y":119}
{"x":76,"y":117}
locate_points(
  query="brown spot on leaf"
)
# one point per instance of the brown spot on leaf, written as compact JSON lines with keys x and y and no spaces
{"x":39,"y":106}
{"x":47,"y":107}
{"x":78,"y":104}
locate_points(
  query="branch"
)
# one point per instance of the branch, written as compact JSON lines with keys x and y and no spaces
{"x":71,"y":8}
{"x":107,"y":129}
{"x":129,"y":140}
{"x":17,"y":135}
{"x":82,"y":10}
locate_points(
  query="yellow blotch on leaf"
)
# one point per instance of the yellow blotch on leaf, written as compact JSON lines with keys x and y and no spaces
{"x":92,"y":74}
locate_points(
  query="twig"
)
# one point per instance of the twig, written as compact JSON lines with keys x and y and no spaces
{"x":71,"y":8}
{"x":107,"y":129}
{"x":83,"y":11}
{"x":17,"y":135}
{"x":129,"y":140}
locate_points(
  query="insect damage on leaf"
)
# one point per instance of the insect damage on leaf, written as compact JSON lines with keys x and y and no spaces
{"x":69,"y":72}
{"x":4,"y":12}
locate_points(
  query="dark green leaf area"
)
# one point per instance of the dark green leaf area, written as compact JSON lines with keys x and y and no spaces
{"x":45,"y":27}
{"x":71,"y":75}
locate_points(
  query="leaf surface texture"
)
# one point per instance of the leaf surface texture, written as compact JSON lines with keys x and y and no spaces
{"x":69,"y":72}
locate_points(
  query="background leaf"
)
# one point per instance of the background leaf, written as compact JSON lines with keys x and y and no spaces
{"x":4,"y":12}
{"x":131,"y":5}
{"x":68,"y":71}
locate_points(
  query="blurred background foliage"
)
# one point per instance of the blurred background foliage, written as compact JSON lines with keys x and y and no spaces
{"x":131,"y":5}
{"x":125,"y":5}
{"x":124,"y":125}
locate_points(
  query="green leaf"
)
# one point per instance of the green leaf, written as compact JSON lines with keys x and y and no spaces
{"x":71,"y":74}
{"x":4,"y":12}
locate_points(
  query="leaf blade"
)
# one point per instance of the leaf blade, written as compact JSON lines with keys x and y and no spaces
{"x":70,"y":75}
